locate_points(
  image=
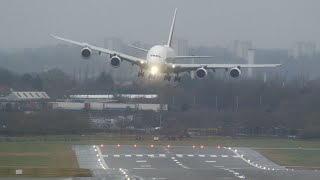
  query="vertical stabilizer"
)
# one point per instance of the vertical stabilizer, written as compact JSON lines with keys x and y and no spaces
{"x":172,"y":28}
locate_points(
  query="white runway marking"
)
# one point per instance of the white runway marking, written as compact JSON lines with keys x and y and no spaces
{"x":179,"y":155}
{"x":213,"y":155}
{"x":141,"y":161}
{"x":127,"y":155}
{"x":201,"y":155}
{"x":190,"y":155}
{"x":116,"y":155}
{"x":162,"y":155}
{"x":151,"y":155}
{"x":139,"y":155}
{"x":224,"y":156}
{"x":211,"y":161}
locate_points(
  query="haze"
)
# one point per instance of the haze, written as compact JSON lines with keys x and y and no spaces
{"x":268,"y":24}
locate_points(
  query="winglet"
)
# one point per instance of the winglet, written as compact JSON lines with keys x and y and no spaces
{"x":172,"y":28}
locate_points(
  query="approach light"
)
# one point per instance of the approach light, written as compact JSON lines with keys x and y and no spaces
{"x":168,"y":146}
{"x":154,"y":70}
{"x":201,"y":146}
{"x":151,"y":145}
{"x":193,"y":146}
{"x":101,"y":145}
{"x":135,"y":145}
{"x":218,"y":146}
{"x":118,"y":145}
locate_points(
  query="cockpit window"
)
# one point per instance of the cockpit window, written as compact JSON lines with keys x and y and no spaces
{"x":154,"y":55}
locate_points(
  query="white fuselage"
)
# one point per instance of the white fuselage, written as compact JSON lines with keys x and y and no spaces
{"x":157,"y":57}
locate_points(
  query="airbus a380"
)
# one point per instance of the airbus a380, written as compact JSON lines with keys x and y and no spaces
{"x":160,"y":58}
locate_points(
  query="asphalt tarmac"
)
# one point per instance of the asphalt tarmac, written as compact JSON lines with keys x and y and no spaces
{"x":180,"y":162}
{"x":187,"y":162}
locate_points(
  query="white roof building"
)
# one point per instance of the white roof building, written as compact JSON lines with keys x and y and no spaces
{"x":27,"y":95}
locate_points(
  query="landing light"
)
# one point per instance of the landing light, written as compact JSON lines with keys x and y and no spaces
{"x":118,"y":145}
{"x":135,"y":145}
{"x":101,"y":145}
{"x":218,"y":146}
{"x":193,"y":146}
{"x":168,"y":146}
{"x":201,"y":147}
{"x":151,"y":145}
{"x":154,"y":70}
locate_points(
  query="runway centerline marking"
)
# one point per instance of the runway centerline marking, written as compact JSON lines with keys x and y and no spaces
{"x":142,"y":161}
{"x":210,"y":161}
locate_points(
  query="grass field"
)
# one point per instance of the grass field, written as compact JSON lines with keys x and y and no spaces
{"x":52,"y":156}
{"x":38,"y":159}
{"x":293,"y":158}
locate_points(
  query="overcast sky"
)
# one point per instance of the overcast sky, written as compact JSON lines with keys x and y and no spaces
{"x":267,"y":23}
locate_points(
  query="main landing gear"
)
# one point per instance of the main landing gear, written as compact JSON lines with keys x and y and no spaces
{"x":167,"y":77}
{"x":141,"y":74}
{"x":177,"y":78}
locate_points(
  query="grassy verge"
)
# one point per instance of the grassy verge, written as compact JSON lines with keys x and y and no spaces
{"x":38,"y":159}
{"x":293,"y":158}
{"x":45,"y":172}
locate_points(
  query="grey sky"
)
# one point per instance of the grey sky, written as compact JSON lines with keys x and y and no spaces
{"x":268,"y":23}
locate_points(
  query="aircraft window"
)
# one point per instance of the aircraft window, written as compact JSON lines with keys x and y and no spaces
{"x":153,"y":55}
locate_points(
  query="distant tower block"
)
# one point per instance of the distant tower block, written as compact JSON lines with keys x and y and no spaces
{"x":250,"y":61}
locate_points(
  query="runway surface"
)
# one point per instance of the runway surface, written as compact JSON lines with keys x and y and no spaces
{"x":184,"y":162}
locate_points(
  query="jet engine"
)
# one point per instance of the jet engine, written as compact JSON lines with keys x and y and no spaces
{"x":86,"y":53}
{"x":201,"y":73}
{"x":115,"y":61}
{"x":235,"y":72}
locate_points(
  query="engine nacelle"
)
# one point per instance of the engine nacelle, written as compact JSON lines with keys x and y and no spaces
{"x":201,"y":73}
{"x":86,"y":53}
{"x":115,"y":61}
{"x":235,"y":72}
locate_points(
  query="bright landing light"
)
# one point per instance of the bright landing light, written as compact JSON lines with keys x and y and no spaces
{"x":154,"y":70}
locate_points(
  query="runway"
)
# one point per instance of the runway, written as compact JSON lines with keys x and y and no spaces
{"x":183,"y":162}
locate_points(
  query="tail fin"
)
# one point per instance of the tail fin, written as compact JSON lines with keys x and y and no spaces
{"x":172,"y":28}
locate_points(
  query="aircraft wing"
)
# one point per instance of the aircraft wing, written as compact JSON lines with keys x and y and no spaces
{"x":191,"y":67}
{"x":191,"y":57}
{"x":131,"y":59}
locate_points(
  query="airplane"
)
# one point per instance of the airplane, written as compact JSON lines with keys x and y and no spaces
{"x":160,"y":60}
